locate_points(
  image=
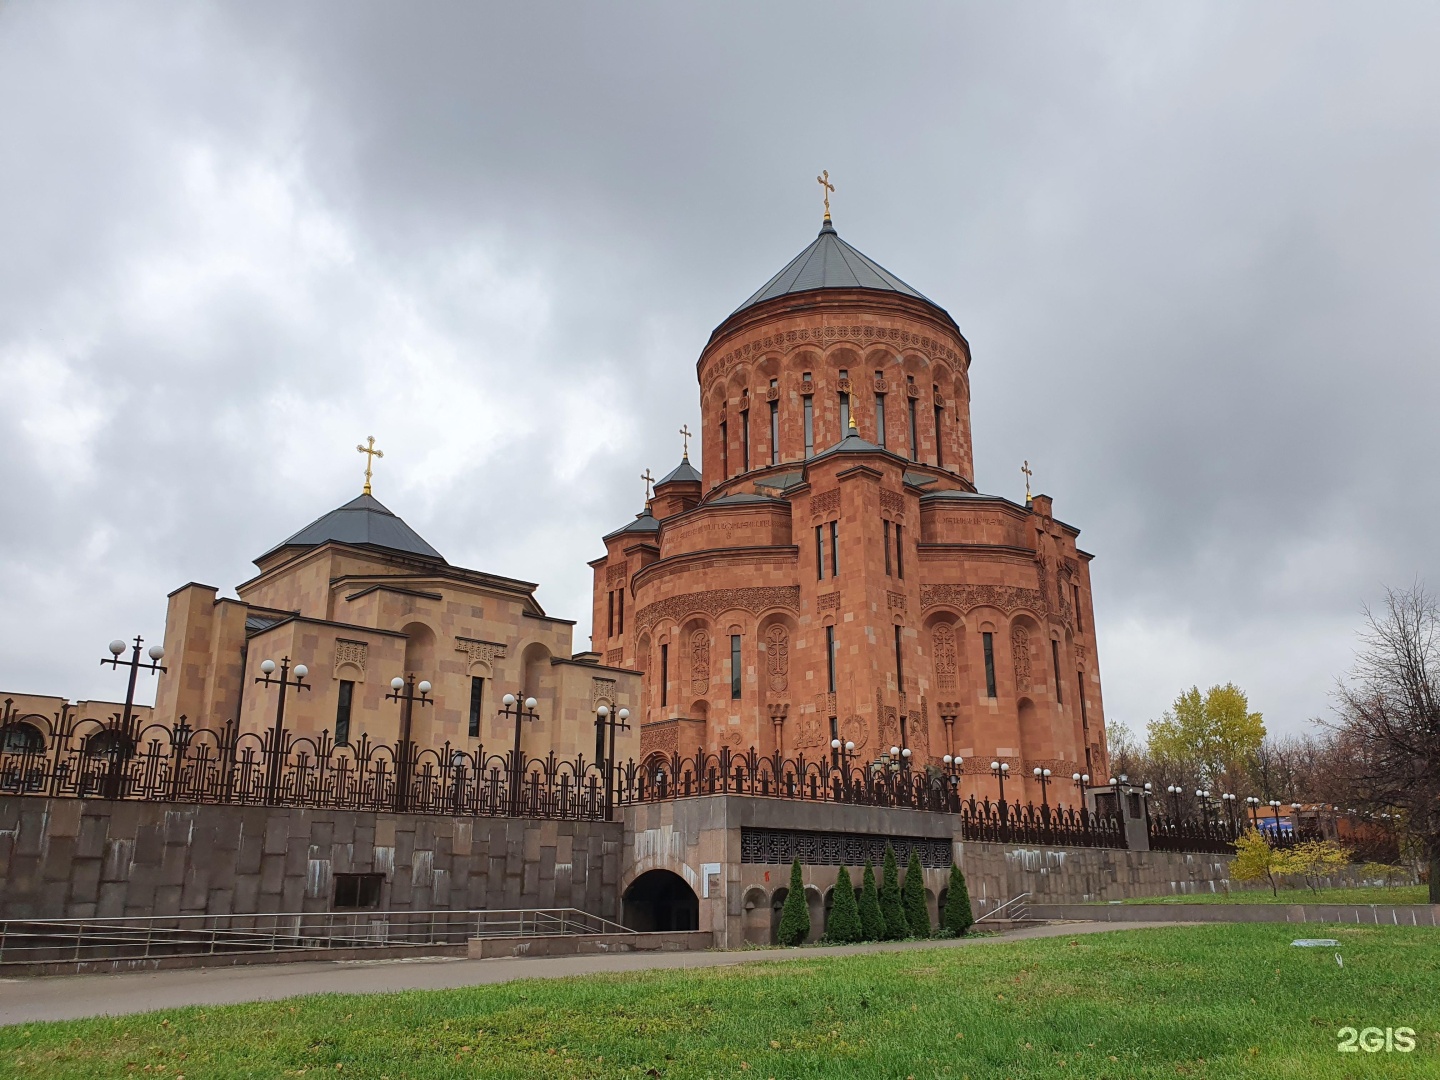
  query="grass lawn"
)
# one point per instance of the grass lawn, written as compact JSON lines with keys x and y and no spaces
{"x":1199,"y":1002}
{"x":1366,"y":894}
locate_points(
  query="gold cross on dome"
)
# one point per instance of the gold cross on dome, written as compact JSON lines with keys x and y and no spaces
{"x":369,"y":448}
{"x":648,"y":481}
{"x":685,"y":431}
{"x":826,"y":187}
{"x":1025,"y":468}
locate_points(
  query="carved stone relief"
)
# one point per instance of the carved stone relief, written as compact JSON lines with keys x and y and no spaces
{"x":943,"y":637}
{"x":1020,"y":656}
{"x":354,"y":653}
{"x":479,"y":652}
{"x":777,"y":658}
{"x":700,"y":662}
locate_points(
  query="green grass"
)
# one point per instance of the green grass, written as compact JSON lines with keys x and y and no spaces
{"x":1365,"y":894}
{"x":1212,"y":1001}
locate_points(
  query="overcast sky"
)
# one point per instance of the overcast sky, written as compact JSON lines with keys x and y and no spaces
{"x":1194,"y":248}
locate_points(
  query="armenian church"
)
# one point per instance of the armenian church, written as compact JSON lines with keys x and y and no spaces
{"x":831,"y":574}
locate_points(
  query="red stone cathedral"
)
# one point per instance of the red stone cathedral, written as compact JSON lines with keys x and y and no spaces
{"x":831,"y":572}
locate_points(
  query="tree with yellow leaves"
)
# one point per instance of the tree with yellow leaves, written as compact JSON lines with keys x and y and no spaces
{"x":1215,"y":731}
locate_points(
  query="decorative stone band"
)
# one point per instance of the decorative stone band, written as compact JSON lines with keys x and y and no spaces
{"x":827,"y":335}
{"x":718,"y":601}
{"x":602,"y":692}
{"x":1005,"y":597}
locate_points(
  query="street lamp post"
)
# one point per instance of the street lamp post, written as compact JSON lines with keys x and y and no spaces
{"x":1228,"y":798}
{"x":1274,"y":805}
{"x":277,"y":734}
{"x":403,"y":691}
{"x":1175,"y":790}
{"x":1202,"y":796}
{"x":518,"y":710}
{"x":1000,"y":770}
{"x":1295,"y":819}
{"x":842,"y":751}
{"x":614,"y":720}
{"x":1253,"y":803}
{"x":118,"y":754}
{"x":954,"y":769}
{"x":1043,"y":777}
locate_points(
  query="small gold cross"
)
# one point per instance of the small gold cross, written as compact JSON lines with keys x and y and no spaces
{"x":369,"y":449}
{"x":685,"y":431}
{"x":824,"y":181}
{"x":1025,"y":468}
{"x":648,"y":481}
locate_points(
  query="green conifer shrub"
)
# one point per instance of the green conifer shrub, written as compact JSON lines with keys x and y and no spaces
{"x":957,"y":917}
{"x":891,"y":909}
{"x":872,"y":922}
{"x":795,"y":915}
{"x":844,"y":924}
{"x":912,"y":898}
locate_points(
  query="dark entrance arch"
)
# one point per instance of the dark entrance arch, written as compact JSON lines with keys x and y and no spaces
{"x":660,"y":900}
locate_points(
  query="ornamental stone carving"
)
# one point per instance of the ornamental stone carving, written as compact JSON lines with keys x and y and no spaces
{"x":825,"y":503}
{"x":943,"y":648}
{"x":895,"y":601}
{"x":615,"y":657}
{"x":700,"y":662}
{"x":1020,"y":656}
{"x":964,"y":597}
{"x":828,"y":602}
{"x":810,"y":731}
{"x":716,"y":601}
{"x":479,"y":652}
{"x":892,"y":503}
{"x":353,"y":653}
{"x":777,"y":658}
{"x":615,"y":576}
{"x":855,"y":730}
{"x":602,"y":692}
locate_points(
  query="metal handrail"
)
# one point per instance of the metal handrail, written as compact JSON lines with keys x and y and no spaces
{"x":1002,"y":907}
{"x":147,"y":936}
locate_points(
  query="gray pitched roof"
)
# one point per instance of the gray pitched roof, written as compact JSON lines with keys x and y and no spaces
{"x":644,"y":522}
{"x":830,"y":263}
{"x":363,"y":521}
{"x":684,"y":473}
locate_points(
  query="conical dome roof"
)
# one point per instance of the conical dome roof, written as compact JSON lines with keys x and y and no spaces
{"x":363,"y":521}
{"x":831,"y":263}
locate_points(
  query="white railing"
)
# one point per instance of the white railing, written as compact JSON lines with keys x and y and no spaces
{"x":1013,"y":912}
{"x":29,"y":941}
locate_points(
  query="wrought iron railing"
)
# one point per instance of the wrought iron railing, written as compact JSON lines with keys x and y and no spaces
{"x":159,"y":763}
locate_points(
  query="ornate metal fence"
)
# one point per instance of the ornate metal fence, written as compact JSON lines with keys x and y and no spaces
{"x":159,"y":763}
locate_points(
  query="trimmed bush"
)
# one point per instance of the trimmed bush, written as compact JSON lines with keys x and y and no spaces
{"x":795,"y":915}
{"x":912,"y":898}
{"x":957,"y":917}
{"x":872,"y":922}
{"x":891,"y":910}
{"x":844,"y":924}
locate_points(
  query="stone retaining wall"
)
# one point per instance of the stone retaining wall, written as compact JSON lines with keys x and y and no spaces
{"x":86,"y":858}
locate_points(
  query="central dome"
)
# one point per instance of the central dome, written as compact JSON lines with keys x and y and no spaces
{"x":830,"y":263}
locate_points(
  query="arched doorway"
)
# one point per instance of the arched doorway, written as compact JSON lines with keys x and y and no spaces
{"x":660,"y":900}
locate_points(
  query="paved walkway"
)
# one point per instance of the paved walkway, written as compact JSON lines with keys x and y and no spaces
{"x":67,"y":997}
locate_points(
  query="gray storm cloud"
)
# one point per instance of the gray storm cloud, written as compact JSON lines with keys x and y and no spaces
{"x":1194,"y":249}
